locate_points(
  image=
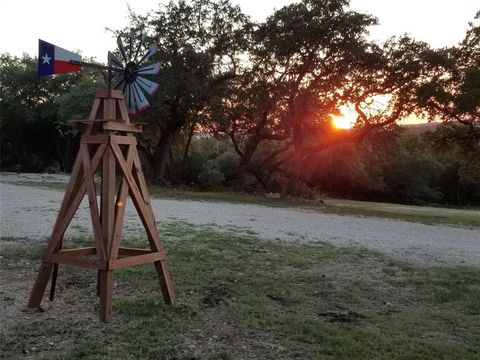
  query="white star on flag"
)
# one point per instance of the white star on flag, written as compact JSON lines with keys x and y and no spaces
{"x":46,"y":59}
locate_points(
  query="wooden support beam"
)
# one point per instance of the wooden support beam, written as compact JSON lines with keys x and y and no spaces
{"x":108,"y":200}
{"x":120,"y":204}
{"x":116,"y":126}
{"x":166,"y":283}
{"x":78,"y":257}
{"x":89,"y":121}
{"x":137,"y":198}
{"x":85,"y":251}
{"x":123,"y":251}
{"x":92,"y":201}
{"x":108,"y":139}
{"x":40,"y":285}
{"x":136,"y":260}
{"x":66,"y":217}
{"x":77,"y":261}
{"x":106,"y":292}
{"x":105,"y":94}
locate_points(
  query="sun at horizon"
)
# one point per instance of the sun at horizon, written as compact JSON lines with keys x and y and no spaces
{"x":346,"y":119}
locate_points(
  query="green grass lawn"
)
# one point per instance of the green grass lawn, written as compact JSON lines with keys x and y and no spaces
{"x":240,"y":297}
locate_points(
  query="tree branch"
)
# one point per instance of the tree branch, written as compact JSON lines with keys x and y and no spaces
{"x":276,"y":153}
{"x":236,"y":146}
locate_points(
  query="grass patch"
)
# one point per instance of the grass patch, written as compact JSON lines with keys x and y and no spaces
{"x":18,"y":249}
{"x":241,"y":297}
{"x":459,"y":285}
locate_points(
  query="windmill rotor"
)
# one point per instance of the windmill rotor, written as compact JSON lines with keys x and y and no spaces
{"x":128,"y":72}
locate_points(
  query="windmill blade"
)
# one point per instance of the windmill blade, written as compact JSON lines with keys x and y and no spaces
{"x":118,"y":81}
{"x":130,"y":50}
{"x":121,"y":48}
{"x":149,"y":69}
{"x":129,"y":100}
{"x":153,"y":50}
{"x":113,"y":60}
{"x":142,"y":41}
{"x":140,"y":100}
{"x":149,"y":86}
{"x":131,"y":103}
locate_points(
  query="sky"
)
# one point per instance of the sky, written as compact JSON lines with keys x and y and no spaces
{"x":81,"y":25}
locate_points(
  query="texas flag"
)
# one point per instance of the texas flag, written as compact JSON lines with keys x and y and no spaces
{"x":55,"y":60}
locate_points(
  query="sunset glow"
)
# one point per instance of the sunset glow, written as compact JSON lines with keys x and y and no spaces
{"x":346,"y":119}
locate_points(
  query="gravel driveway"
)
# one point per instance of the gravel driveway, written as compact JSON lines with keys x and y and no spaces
{"x":29,"y":212}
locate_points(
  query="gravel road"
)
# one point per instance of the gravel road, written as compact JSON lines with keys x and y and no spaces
{"x":29,"y":212}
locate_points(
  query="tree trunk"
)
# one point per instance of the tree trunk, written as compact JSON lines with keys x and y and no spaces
{"x":187,"y":147}
{"x":459,"y":202}
{"x":162,"y":156}
{"x":296,"y":162}
{"x":290,"y":187}
{"x":258,"y":175}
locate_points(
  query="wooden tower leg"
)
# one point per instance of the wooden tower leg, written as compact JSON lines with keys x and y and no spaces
{"x":105,"y":277}
{"x":41,"y":281}
{"x":36,"y":296}
{"x":154,"y":237}
{"x":106,"y":290}
{"x":140,"y":197}
{"x":165,"y":282}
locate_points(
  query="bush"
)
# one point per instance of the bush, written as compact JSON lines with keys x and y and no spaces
{"x":211,"y":175}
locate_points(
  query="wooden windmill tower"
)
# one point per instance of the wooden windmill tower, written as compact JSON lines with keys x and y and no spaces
{"x":108,"y":146}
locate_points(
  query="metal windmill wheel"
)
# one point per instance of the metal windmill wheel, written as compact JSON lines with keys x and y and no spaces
{"x":127,"y":75}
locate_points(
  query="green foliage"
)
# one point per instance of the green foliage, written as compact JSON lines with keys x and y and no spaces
{"x":34,"y":110}
{"x":211,"y":175}
{"x":459,"y":150}
{"x":451,"y":91}
{"x":410,"y":171}
{"x":210,"y":164}
{"x":399,"y":166}
{"x":217,"y":171}
{"x":77,"y":102}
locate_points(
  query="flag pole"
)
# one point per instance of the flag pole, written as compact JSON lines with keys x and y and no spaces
{"x":95,"y":66}
{"x":101,"y":67}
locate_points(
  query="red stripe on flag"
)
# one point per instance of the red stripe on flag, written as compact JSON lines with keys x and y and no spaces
{"x":62,"y":67}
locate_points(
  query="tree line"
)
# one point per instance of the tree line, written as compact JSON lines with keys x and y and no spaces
{"x":248,"y":105}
